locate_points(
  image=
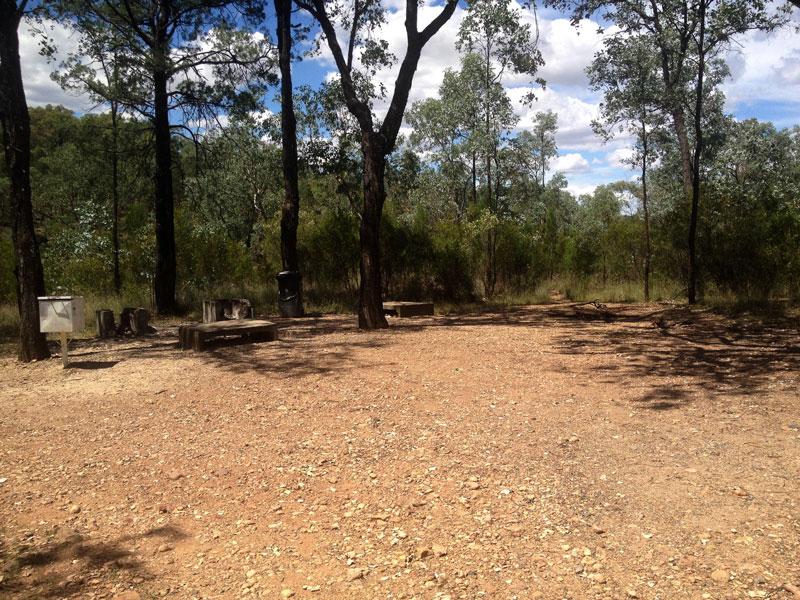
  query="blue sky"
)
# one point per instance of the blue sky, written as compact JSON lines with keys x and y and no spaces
{"x":765,"y":83}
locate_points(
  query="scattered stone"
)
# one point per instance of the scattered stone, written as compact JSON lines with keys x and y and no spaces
{"x":422,"y":552}
{"x":128,"y":595}
{"x":720,"y":575}
{"x":287,"y":593}
{"x":355,"y":573}
{"x":792,"y":589}
{"x":74,"y":509}
{"x":598,"y":530}
{"x":164,"y":548}
{"x":174,"y":475}
{"x":439,"y":550}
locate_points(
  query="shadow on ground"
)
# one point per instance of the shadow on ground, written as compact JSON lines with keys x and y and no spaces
{"x":64,"y":567}
{"x":712,"y":351}
{"x":715,"y":352}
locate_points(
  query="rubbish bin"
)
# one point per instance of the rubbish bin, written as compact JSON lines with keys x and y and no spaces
{"x":290,"y":300}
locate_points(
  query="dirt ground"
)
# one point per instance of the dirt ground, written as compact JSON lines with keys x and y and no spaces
{"x":557,"y":451}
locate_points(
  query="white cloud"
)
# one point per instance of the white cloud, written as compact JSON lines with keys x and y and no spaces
{"x":570,"y":163}
{"x":765,"y":67}
{"x":617,"y":158}
{"x":40,"y":89}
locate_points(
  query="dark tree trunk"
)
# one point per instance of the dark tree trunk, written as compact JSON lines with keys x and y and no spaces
{"x":698,"y":154}
{"x":647,"y":250}
{"x":375,"y":145}
{"x":17,"y":147}
{"x":370,"y":301}
{"x":291,"y":200}
{"x":165,"y":275}
{"x":115,"y":196}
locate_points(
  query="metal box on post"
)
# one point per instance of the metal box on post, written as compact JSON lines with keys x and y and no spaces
{"x":62,"y":315}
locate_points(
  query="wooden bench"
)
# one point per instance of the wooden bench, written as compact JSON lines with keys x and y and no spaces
{"x":407,"y":309}
{"x":196,"y":337}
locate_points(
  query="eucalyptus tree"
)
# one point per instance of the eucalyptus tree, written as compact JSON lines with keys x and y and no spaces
{"x":626,"y":72}
{"x":16,"y":131}
{"x":545,"y":126}
{"x":360,"y":22}
{"x":688,"y":35}
{"x":451,"y":125}
{"x":493,"y":30}
{"x":191,"y":59}
{"x":290,"y":209}
{"x":103,"y":86}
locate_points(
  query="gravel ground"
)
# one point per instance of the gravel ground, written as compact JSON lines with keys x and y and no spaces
{"x":562,"y":451}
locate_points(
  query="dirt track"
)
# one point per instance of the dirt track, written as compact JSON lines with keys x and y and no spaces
{"x":549,"y":452}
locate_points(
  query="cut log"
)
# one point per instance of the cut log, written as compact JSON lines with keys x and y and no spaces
{"x":106,"y":327}
{"x":213,"y":311}
{"x":140,"y":321}
{"x":135,"y":321}
{"x":223,"y":309}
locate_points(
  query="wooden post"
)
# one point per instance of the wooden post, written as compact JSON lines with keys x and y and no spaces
{"x":64,"y":345}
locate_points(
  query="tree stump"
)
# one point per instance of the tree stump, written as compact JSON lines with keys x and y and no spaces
{"x":213,"y":311}
{"x":106,"y":327}
{"x":224,"y":309}
{"x":135,"y":321}
{"x":140,"y":321}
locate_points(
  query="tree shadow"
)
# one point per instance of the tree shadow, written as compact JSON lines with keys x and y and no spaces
{"x":704,"y":349}
{"x":62,"y":567}
{"x":305,"y":346}
{"x":91,"y":364}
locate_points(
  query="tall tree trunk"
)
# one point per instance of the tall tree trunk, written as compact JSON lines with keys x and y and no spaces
{"x":541,"y":154}
{"x":698,"y":154}
{"x":474,"y":177}
{"x":17,"y":148}
{"x":115,"y":196}
{"x":647,"y":249}
{"x":165,"y":275}
{"x":370,"y":303}
{"x":291,"y":200}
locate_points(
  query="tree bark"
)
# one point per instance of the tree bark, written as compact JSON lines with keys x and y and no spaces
{"x":165,"y":275}
{"x":115,"y":195}
{"x":647,"y":250}
{"x":17,"y":147}
{"x":375,"y":145}
{"x":698,"y":153}
{"x":291,"y":200}
{"x":370,"y":297}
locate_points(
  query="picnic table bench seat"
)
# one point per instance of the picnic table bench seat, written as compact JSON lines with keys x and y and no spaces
{"x":407,"y":309}
{"x":196,"y":336}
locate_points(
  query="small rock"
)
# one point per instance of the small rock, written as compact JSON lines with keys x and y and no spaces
{"x":422,"y":552}
{"x":719,"y":575}
{"x":164,"y":548}
{"x":439,"y":550}
{"x":74,"y":509}
{"x":174,"y":475}
{"x":287,"y":593}
{"x":792,"y":589}
{"x":127,"y":595}
{"x":250,"y":574}
{"x":598,"y":530}
{"x":355,"y":573}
